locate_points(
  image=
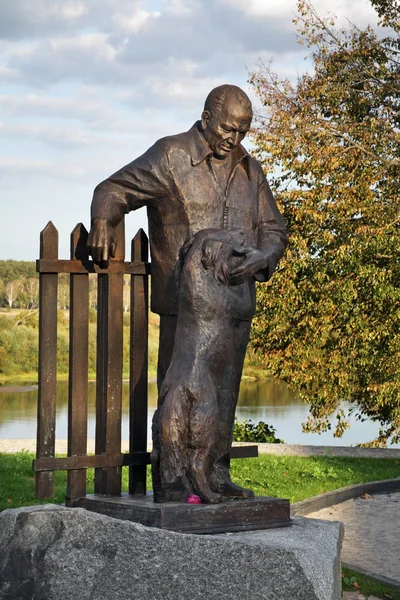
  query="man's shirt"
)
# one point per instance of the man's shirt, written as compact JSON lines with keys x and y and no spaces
{"x":175,"y":180}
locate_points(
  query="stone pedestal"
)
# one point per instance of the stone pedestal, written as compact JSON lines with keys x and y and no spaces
{"x":50,"y":552}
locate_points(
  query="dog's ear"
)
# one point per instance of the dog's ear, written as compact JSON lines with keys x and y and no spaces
{"x":210,"y":251}
{"x":207,"y":257}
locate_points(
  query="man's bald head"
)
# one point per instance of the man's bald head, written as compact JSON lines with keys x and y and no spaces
{"x":222,"y":94}
{"x":226,"y":119}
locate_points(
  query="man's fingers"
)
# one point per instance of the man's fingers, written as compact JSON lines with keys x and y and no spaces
{"x":95,"y":253}
{"x":99,"y":254}
{"x":101,"y":242}
{"x":105,"y":254}
{"x":239,"y":270}
{"x":236,"y":281}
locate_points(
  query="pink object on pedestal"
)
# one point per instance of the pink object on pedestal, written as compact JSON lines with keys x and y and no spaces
{"x":193,"y":499}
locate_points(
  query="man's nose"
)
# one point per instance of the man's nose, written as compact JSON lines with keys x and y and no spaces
{"x":234,"y":138}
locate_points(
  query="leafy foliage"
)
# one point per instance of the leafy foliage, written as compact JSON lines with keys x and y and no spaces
{"x":246,"y":431}
{"x":329,"y":322}
{"x":19,"y":284}
{"x":389,"y":13}
{"x":16,"y":269}
{"x":18,"y":350}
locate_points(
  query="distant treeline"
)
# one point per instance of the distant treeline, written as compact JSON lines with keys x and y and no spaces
{"x":17,"y":269}
{"x":19,"y":287}
{"x":19,"y":284}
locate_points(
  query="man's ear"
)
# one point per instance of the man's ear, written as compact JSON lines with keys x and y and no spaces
{"x":205,"y":118}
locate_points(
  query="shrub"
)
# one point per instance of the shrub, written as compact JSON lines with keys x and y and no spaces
{"x":246,"y":431}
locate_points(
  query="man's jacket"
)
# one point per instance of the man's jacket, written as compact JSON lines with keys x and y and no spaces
{"x":175,"y":180}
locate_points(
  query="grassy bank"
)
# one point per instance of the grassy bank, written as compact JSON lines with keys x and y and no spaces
{"x":19,"y":347}
{"x":290,"y":477}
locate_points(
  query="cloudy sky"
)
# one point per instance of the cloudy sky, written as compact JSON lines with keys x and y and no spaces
{"x":88,"y":85}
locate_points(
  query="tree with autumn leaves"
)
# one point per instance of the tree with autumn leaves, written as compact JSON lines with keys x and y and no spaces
{"x":328,"y":323}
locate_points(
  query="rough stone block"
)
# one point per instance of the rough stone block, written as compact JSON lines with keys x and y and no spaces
{"x":49,"y":552}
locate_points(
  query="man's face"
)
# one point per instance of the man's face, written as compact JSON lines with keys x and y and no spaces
{"x":226,"y":130}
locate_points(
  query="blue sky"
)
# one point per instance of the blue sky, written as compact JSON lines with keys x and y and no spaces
{"x":88,"y":85}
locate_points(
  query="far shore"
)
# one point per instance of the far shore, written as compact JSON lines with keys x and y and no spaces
{"x":29,"y":382}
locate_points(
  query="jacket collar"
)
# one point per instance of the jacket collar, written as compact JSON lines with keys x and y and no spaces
{"x":200,"y":150}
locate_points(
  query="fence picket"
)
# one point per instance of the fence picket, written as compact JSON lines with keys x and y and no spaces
{"x":109,"y":371}
{"x":78,"y":364}
{"x":138,"y":364}
{"x":47,"y":369}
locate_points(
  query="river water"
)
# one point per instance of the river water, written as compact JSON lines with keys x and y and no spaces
{"x":266,"y":401}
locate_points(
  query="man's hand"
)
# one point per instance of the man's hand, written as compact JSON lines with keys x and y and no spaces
{"x":102,"y":242}
{"x":253,"y":261}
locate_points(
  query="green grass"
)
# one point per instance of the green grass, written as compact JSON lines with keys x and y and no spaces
{"x":355,"y":582}
{"x":300,"y":477}
{"x":290,"y":477}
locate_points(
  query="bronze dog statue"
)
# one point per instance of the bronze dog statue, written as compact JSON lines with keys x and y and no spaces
{"x":185,"y":426}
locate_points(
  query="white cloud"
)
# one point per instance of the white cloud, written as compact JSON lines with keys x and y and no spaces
{"x":60,"y":137}
{"x":88,"y":85}
{"x":357,"y":10}
{"x":7,"y":73}
{"x":25,"y":18}
{"x":133,"y":24}
{"x":10,"y":165}
{"x":136,"y":42}
{"x":72,"y":11}
{"x":179,"y":7}
{"x":85,"y":106}
{"x":259,"y":8}
{"x":94,"y":44}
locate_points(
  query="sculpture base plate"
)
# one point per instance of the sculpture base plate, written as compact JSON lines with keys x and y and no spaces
{"x":262,"y":512}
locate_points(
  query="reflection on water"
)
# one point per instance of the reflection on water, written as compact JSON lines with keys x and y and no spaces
{"x":266,"y":393}
{"x":267,"y":401}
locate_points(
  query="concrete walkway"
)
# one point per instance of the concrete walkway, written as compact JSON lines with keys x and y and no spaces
{"x":17,"y":445}
{"x":344,"y":451}
{"x":372,"y":532}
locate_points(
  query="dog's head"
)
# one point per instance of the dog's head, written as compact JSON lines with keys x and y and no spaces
{"x":218,"y":249}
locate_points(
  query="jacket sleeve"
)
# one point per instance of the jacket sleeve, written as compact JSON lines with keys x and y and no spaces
{"x":138,"y":184}
{"x":272,"y":237}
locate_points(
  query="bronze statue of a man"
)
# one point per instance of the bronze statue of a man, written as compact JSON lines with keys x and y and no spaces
{"x":198,"y":180}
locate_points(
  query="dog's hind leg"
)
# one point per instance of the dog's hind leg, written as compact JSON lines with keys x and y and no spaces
{"x":203,"y":424}
{"x":169,"y":457}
